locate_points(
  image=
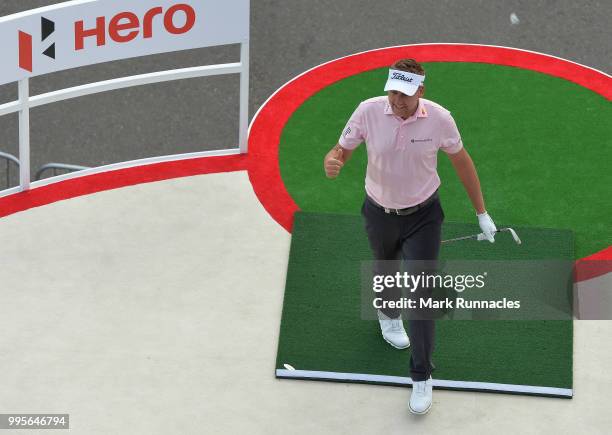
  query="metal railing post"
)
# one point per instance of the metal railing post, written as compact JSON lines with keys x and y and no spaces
{"x":243,"y":125}
{"x":9,"y":158}
{"x":24,"y":134}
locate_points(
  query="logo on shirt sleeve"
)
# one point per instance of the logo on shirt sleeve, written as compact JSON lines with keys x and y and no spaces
{"x":347,"y":131}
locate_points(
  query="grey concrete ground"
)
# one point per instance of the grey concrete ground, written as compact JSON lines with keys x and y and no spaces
{"x":287,"y":37}
{"x":148,"y":310}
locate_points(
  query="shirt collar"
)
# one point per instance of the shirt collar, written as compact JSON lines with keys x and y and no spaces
{"x":420,"y":112}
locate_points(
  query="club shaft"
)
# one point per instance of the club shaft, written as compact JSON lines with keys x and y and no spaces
{"x":475,"y":236}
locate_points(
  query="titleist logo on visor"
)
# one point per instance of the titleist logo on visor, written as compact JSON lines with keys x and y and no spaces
{"x":400,"y":76}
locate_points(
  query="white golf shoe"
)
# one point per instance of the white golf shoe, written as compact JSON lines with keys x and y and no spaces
{"x":421,"y":398}
{"x":393,"y":331}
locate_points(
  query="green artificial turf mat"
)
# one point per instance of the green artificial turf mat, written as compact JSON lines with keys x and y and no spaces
{"x":322,"y":328}
{"x":542,"y":147}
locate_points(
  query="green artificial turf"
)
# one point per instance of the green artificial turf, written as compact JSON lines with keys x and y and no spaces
{"x":322,"y":328}
{"x":542,"y":146}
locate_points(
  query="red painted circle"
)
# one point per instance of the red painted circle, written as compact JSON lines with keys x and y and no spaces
{"x":114,"y":179}
{"x":268,"y":123}
{"x":266,"y":127}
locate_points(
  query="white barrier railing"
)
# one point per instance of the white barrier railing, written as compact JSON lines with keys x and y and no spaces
{"x":25,"y":101}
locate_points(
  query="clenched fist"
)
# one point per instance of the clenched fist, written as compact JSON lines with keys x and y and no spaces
{"x":333,"y":163}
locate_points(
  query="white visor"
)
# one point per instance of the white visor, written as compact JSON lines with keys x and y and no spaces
{"x":405,"y":82}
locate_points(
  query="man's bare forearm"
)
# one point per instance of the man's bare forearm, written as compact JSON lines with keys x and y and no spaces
{"x":464,"y":166}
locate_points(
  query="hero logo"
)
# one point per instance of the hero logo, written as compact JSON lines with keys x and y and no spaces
{"x":123,"y":27}
{"x":47,"y":27}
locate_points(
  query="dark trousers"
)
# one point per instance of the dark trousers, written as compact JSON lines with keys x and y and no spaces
{"x":412,"y":237}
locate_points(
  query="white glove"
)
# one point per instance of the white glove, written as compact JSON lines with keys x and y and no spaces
{"x":487,"y":226}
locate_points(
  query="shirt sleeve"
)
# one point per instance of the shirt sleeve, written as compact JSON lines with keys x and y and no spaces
{"x":354,"y":132}
{"x":450,"y":139}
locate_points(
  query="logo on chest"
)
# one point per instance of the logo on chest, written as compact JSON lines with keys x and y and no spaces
{"x":421,"y":140}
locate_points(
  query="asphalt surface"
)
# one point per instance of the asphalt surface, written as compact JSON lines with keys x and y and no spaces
{"x":287,"y":38}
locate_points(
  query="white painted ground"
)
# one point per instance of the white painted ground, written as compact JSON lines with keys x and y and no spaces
{"x":155,"y":309}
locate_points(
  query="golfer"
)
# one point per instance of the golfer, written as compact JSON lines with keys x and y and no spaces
{"x":403,"y":217}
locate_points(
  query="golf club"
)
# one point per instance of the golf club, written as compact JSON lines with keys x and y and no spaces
{"x":481,"y":236}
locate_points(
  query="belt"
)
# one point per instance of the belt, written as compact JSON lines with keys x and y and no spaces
{"x":408,"y":210}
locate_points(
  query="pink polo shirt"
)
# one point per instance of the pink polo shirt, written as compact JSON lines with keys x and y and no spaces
{"x":402,"y":154}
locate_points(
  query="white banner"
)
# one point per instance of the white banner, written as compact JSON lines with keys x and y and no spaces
{"x":85,"y":32}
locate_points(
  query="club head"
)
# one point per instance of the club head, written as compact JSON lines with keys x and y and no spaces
{"x":514,"y":235}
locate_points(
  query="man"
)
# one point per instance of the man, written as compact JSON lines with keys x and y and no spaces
{"x":403,"y":216}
